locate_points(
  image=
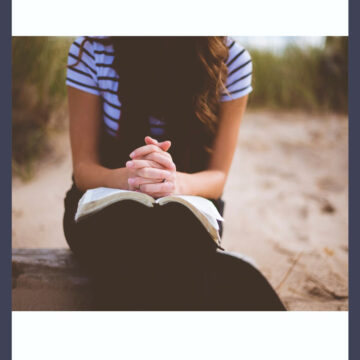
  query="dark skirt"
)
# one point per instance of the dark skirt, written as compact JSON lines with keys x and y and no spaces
{"x":161,"y":258}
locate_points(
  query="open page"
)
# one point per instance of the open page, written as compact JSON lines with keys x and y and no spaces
{"x":100,"y":193}
{"x":97,"y":199}
{"x":205,"y":206}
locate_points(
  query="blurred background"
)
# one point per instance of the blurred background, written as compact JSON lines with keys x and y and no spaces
{"x":287,"y":192}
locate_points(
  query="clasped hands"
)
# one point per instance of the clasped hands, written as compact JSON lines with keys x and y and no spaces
{"x":152,"y":170}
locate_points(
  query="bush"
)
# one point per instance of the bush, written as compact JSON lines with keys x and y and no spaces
{"x":311,"y":79}
{"x":38,"y":90}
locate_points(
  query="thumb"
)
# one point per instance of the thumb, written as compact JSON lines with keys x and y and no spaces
{"x":165,"y":145}
{"x":149,"y":141}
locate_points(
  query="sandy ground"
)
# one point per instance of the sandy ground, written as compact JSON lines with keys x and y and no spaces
{"x":286,"y":204}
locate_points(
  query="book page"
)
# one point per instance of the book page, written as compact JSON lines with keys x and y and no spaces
{"x":198,"y":204}
{"x":212,"y":221}
{"x":100,"y":193}
{"x":202,"y":204}
{"x":97,"y":199}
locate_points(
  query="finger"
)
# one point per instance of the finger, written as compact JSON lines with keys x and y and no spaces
{"x":152,"y":173}
{"x":144,"y":150}
{"x":163,"y":153}
{"x":165,"y":145}
{"x":149,"y":140}
{"x":156,"y":195}
{"x":136,"y":181}
{"x":158,"y":189}
{"x":161,"y":159}
{"x":138,"y":164}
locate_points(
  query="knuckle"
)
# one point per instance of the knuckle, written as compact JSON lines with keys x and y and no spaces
{"x":136,"y":163}
{"x":139,"y":181}
{"x":155,"y":156}
{"x":156,"y":165}
{"x":148,"y":164}
{"x":149,"y":157}
{"x":142,"y":172}
{"x":142,"y":181}
{"x":146,"y":172}
{"x":144,"y":187}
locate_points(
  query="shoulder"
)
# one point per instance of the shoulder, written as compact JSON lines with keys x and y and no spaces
{"x":85,"y":43}
{"x":238,"y":55}
{"x":239,"y":66}
{"x":96,"y":48}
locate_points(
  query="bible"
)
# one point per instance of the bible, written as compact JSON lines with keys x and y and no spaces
{"x":203,"y":209}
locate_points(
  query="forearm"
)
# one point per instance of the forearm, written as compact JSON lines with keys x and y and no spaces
{"x":208,"y":183}
{"x":90,"y":175}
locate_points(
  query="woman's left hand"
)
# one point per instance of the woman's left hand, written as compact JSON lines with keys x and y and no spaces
{"x":153,"y":168}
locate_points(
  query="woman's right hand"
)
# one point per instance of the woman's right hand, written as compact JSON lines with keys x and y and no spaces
{"x":150,"y":164}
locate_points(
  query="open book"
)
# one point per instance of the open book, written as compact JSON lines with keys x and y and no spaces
{"x":97,"y":199}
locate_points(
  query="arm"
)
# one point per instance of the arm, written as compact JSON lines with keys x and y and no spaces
{"x":85,"y":120}
{"x":210,"y":183}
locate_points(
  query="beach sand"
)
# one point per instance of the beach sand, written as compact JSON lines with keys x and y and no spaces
{"x":286,"y":204}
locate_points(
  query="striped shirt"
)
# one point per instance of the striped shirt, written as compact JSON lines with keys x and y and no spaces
{"x":94,"y":74}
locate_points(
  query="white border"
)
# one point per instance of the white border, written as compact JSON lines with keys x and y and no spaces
{"x":196,"y":335}
{"x":186,"y":17}
{"x":180,"y":335}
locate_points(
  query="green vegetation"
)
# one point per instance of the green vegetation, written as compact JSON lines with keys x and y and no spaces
{"x":310,"y":79}
{"x":38,"y":92}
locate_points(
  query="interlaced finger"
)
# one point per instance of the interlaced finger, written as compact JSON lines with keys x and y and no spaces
{"x":162,"y":159}
{"x":138,"y":164}
{"x":153,"y":173}
{"x":161,"y":189}
{"x":144,"y":150}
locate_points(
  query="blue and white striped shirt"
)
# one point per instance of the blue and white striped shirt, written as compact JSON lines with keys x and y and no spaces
{"x":94,"y":74}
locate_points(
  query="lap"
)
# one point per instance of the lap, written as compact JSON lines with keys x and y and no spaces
{"x":129,"y":226}
{"x":150,"y":248}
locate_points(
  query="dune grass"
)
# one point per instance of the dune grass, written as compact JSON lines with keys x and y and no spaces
{"x":38,"y":91}
{"x":311,"y":79}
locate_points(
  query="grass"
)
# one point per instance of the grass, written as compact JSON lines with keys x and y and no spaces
{"x":310,"y":79}
{"x":38,"y":91}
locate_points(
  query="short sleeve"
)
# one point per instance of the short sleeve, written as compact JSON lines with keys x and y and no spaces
{"x":239,"y":66}
{"x":83,"y":75}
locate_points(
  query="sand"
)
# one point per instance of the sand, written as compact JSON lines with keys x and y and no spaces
{"x":286,"y":204}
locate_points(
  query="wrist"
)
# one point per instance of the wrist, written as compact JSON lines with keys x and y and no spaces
{"x":182,"y":184}
{"x":117,"y":178}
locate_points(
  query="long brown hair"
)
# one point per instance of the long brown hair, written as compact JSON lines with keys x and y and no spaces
{"x":178,"y":78}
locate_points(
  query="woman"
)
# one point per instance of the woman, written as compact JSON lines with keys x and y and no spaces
{"x":160,"y":116}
